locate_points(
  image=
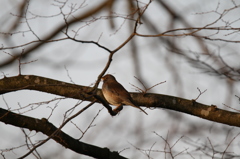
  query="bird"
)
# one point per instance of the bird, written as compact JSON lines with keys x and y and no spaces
{"x":116,"y":94}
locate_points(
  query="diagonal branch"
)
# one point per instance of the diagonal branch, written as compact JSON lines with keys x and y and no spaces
{"x":56,"y":32}
{"x":62,"y":138}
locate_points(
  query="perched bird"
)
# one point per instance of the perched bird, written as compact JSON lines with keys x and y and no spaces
{"x":116,"y":94}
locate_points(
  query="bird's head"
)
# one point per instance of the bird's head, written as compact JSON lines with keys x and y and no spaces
{"x":107,"y":78}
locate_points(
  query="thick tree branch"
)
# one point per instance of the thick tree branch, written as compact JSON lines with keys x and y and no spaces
{"x":149,"y":100}
{"x":62,"y":138}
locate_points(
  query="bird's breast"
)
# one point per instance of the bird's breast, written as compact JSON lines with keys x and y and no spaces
{"x":111,"y":97}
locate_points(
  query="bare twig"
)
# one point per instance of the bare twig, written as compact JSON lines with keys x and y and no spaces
{"x":65,"y":67}
{"x":63,"y":124}
{"x":231,"y":107}
{"x":213,"y":151}
{"x":27,"y":138}
{"x":200,"y":93}
{"x":145,"y":89}
{"x":229,"y":145}
{"x":90,"y":125}
{"x":169,"y":147}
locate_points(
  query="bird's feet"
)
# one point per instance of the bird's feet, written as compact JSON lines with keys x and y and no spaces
{"x":118,"y":109}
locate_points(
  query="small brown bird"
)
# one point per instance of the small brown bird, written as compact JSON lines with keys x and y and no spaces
{"x":115,"y":93}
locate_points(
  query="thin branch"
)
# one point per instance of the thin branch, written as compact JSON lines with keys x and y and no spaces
{"x":200,"y":93}
{"x":90,"y":125}
{"x":231,"y":107}
{"x":55,"y":132}
{"x":229,"y":145}
{"x":145,"y":88}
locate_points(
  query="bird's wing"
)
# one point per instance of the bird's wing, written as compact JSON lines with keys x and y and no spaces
{"x":118,"y":90}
